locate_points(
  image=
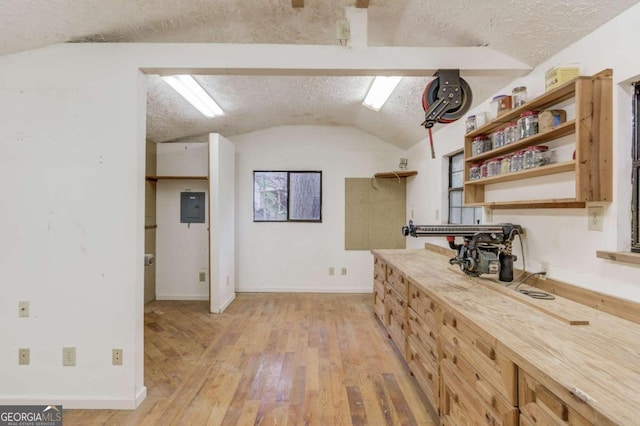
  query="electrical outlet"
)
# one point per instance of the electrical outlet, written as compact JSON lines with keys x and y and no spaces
{"x":594,"y":216}
{"x":344,"y":271}
{"x":332,"y":270}
{"x":24,"y":356}
{"x":23,"y":309}
{"x":203,"y":277}
{"x":544,"y":267}
{"x":116,"y":357}
{"x":69,"y":357}
{"x":488,"y":215}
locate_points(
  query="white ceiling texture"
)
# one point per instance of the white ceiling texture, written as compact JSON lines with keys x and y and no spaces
{"x":529,"y":31}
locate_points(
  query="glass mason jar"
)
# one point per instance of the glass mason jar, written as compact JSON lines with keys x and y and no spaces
{"x":493,"y":167}
{"x":505,"y":165}
{"x":498,"y":138}
{"x":511,"y":133}
{"x":474,"y":171}
{"x":470,"y":124}
{"x":535,"y":156}
{"x":519,"y":96}
{"x":483,"y":170}
{"x":528,"y":124}
{"x":516,"y":161}
{"x":478,"y":145}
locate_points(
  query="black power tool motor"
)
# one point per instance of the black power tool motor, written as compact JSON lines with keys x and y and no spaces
{"x":487,"y":249}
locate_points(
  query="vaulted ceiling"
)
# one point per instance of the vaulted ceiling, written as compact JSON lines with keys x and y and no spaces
{"x":529,"y":31}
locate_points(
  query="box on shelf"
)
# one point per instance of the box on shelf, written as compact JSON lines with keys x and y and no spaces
{"x":551,"y":118}
{"x":559,"y":75}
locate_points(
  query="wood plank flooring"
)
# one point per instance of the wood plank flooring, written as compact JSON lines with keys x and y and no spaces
{"x":270,"y":359}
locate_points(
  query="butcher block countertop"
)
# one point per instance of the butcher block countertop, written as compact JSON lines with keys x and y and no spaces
{"x":595,"y":368}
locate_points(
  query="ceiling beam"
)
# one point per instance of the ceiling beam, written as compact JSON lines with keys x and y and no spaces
{"x":279,"y":59}
{"x":362,"y":4}
{"x":297,"y":3}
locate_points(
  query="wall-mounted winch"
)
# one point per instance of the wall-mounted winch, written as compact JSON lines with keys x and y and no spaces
{"x":445,"y":99}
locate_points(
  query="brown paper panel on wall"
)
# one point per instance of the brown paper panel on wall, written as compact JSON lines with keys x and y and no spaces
{"x":375,"y":211}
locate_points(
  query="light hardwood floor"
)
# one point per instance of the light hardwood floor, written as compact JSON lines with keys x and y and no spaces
{"x":270,"y":359}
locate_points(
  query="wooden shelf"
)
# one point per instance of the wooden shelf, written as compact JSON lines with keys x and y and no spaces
{"x":568,"y":166}
{"x":619,"y":256}
{"x":549,"y":99}
{"x":563,"y":129}
{"x":552,"y":203}
{"x":156,"y":178}
{"x":592,"y":127}
{"x":399,"y":174}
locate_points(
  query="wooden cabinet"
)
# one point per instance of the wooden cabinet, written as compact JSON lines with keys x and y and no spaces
{"x":395,"y":317}
{"x":422,"y":342}
{"x":593,"y":131}
{"x":539,"y":406}
{"x":379,"y":278}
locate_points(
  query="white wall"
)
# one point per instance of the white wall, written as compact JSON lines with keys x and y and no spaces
{"x":71,"y":228}
{"x":296,"y":256}
{"x":222,"y":189}
{"x":182,"y":250}
{"x":559,"y":236}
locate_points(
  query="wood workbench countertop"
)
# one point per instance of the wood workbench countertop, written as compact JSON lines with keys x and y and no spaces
{"x":597,"y":365}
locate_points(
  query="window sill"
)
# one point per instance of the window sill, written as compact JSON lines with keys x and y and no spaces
{"x":619,"y":256}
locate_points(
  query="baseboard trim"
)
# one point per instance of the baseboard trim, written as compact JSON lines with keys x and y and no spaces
{"x":77,"y":402}
{"x":181,"y":297}
{"x":367,"y":290}
{"x":141,"y":395}
{"x":226,"y":304}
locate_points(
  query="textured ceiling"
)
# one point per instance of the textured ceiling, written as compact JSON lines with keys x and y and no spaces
{"x":528,"y":31}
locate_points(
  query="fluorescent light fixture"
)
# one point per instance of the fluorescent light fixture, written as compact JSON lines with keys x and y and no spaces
{"x":189,"y":88}
{"x":380,"y":91}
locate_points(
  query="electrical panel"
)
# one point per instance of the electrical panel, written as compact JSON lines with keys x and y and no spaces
{"x":192,"y":207}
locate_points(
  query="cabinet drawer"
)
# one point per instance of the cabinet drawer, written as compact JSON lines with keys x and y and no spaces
{"x":426,"y":308}
{"x":460,"y":405}
{"x":378,"y":300}
{"x":482,"y":353}
{"x":541,"y":407}
{"x":481,"y":389}
{"x":424,"y":370}
{"x":379,"y":269}
{"x":395,"y":318}
{"x":398,"y":281}
{"x":423,"y":335}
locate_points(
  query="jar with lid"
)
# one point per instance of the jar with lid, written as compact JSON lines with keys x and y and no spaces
{"x":517,"y":161}
{"x":535,"y":156}
{"x":493,"y":167}
{"x":511,"y":133}
{"x":474,"y":171}
{"x":519,"y":96}
{"x":470,"y":123}
{"x":528,"y":124}
{"x":483,"y":170}
{"x":498,"y":138}
{"x":480,"y":144}
{"x":505,"y":165}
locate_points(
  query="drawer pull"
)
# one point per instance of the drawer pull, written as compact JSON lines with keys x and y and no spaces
{"x":433,"y":336}
{"x":432,"y":306}
{"x":487,"y":350}
{"x":455,"y":341}
{"x":552,"y":402}
{"x":454,"y":360}
{"x":486,"y":394}
{"x":430,"y":376}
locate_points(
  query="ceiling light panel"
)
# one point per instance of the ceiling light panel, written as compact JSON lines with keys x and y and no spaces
{"x":380,"y":91}
{"x":189,"y":89}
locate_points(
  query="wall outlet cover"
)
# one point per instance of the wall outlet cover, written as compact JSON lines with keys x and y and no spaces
{"x":116,"y":356}
{"x":24,"y":356}
{"x":69,"y":356}
{"x":23,"y":309}
{"x":594,"y":216}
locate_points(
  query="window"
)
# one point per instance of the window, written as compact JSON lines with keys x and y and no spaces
{"x":458,"y":214}
{"x":287,"y":196}
{"x":635,"y":173}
